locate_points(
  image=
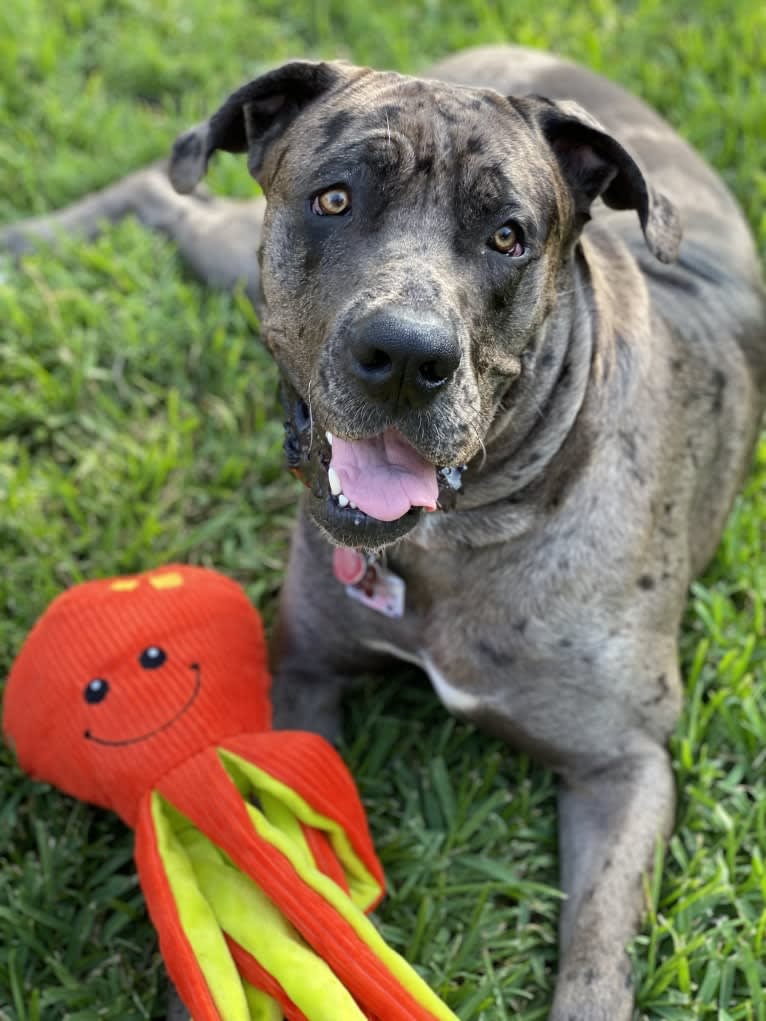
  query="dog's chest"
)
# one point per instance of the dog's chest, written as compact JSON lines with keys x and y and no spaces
{"x":486,"y":638}
{"x":454,"y":696}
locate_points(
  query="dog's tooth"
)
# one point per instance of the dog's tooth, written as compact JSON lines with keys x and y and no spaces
{"x":335,"y":486}
{"x":342,"y":499}
{"x":328,"y":436}
{"x":352,"y":505}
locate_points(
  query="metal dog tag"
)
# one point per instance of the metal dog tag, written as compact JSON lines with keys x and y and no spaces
{"x":380,"y":590}
{"x":368,"y":582}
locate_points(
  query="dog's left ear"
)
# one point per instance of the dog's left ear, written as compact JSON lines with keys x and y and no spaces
{"x":594,"y":165}
{"x":251,"y":119}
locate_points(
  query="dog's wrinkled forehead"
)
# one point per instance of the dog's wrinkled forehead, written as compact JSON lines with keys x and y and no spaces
{"x":526,"y":147}
{"x":468,"y":147}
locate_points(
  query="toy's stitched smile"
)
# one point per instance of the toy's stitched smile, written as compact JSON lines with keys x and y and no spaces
{"x":163,"y":726}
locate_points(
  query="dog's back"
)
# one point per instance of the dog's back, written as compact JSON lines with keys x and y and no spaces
{"x":713,"y":373}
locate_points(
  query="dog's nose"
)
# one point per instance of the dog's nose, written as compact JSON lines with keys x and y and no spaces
{"x":402,"y":359}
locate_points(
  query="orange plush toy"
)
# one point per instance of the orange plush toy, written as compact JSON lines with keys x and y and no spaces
{"x":149,"y":695}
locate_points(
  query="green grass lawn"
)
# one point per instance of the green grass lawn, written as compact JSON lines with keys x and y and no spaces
{"x":138,"y":424}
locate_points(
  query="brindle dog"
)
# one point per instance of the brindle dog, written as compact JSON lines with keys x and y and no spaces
{"x":439,"y":290}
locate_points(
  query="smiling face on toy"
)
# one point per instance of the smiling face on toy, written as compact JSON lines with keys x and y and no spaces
{"x":120,"y":680}
{"x":111,"y":719}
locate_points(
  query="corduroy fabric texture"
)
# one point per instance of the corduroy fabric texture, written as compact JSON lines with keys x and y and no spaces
{"x":149,"y":695}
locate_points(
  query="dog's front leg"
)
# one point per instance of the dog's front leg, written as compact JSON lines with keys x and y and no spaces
{"x":611,"y":816}
{"x":316,"y":650}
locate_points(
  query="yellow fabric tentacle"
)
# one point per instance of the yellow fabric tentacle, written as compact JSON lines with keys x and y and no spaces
{"x":195,"y":912}
{"x":214,"y":898}
{"x":249,"y":917}
{"x":262,"y":1007}
{"x":253,"y":782}
{"x":241,"y":772}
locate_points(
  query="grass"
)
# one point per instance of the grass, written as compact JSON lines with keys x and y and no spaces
{"x":138,"y":424}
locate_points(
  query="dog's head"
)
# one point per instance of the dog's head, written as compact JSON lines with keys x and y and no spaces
{"x":413,"y":238}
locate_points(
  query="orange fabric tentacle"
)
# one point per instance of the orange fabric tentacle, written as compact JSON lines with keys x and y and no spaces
{"x":324,"y":856}
{"x":179,"y":956}
{"x":318,"y":774}
{"x":221,"y":814}
{"x":257,"y":976}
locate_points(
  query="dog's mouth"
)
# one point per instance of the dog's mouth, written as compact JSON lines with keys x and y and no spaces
{"x":364,"y":493}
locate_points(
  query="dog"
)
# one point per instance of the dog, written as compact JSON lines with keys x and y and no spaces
{"x":521,"y":414}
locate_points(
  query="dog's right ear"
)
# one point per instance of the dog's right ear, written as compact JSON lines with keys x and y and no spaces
{"x":251,"y":119}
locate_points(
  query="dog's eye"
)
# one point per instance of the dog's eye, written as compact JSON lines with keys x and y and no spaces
{"x":333,"y":202}
{"x":507,"y":240}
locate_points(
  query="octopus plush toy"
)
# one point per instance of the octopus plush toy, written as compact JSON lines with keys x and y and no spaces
{"x":149,"y":695}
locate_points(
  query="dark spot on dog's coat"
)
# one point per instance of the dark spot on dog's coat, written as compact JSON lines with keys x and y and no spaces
{"x":719,"y":385}
{"x":499,"y":301}
{"x":628,"y":441}
{"x":662,"y":692}
{"x":629,"y":445}
{"x":335,"y":126}
{"x":498,"y":657}
{"x":646,"y":582}
{"x":571,"y":461}
{"x":311,"y":259}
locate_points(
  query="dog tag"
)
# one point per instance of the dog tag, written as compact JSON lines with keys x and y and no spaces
{"x":379,"y":589}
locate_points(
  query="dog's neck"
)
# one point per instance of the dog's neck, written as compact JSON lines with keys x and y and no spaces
{"x":520,"y":470}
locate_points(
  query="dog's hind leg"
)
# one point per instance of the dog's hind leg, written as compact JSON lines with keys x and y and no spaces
{"x":610,"y":819}
{"x":217,"y":237}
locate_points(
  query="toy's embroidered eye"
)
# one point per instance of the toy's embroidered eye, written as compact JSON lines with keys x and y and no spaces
{"x":96,"y":690}
{"x":152,"y":657}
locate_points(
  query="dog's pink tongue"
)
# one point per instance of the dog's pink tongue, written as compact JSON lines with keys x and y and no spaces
{"x":384,"y":476}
